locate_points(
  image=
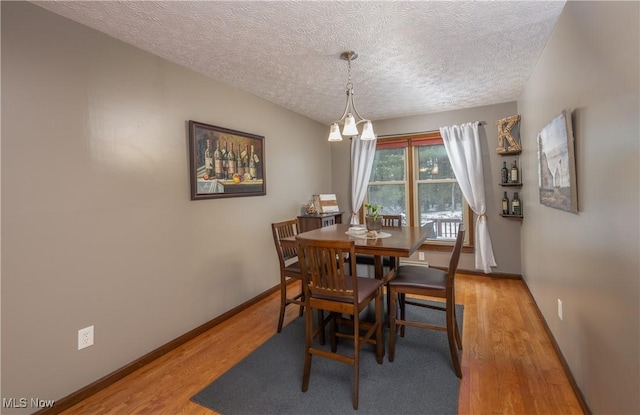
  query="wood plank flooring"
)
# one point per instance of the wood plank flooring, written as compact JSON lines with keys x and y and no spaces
{"x":509,"y":365}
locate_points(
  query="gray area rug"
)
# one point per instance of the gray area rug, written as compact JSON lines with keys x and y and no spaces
{"x":420,"y":380}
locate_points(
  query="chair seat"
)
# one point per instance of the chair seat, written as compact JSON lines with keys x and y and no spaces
{"x":365,"y":259}
{"x":293,"y":268}
{"x":366,"y":288}
{"x":415,"y":276}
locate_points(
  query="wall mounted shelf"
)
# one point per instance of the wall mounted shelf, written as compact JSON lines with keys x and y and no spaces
{"x":512,"y":216}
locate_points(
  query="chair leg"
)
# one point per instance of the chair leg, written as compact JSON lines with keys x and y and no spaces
{"x":451,"y":329}
{"x":402,"y":311}
{"x":321,"y":322}
{"x":452,"y":300}
{"x":356,"y":360}
{"x":301,"y":301}
{"x":283,"y":303}
{"x":308,"y":340}
{"x":457,"y":330}
{"x":388,"y":302}
{"x":392,"y":322}
{"x":379,"y":332}
{"x":332,"y":334}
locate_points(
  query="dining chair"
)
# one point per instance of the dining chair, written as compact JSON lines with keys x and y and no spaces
{"x":329,"y":286}
{"x":432,"y":282}
{"x":392,"y":221}
{"x":289,"y":266}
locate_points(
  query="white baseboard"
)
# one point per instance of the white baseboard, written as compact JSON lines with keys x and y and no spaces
{"x":418,"y":263}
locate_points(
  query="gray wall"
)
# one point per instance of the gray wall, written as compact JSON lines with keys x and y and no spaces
{"x":97,"y":223}
{"x":589,"y":260}
{"x":505,"y":233}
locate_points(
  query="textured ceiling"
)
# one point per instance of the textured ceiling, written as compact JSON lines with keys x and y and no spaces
{"x":415,"y":57}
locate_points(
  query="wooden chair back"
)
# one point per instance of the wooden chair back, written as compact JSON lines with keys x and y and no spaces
{"x":325,"y":272}
{"x":392,"y":221}
{"x":289,"y":267}
{"x":455,"y":255}
{"x":281,"y":230}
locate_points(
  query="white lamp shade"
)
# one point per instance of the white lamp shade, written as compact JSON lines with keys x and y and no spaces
{"x":349,"y":126}
{"x":334,"y":132}
{"x":367,"y":131}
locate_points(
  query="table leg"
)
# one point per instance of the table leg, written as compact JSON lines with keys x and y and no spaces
{"x":377,"y":263}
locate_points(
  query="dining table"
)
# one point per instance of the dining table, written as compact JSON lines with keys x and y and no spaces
{"x":392,"y":242}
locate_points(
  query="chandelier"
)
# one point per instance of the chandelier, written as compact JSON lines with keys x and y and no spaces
{"x":350,"y":127}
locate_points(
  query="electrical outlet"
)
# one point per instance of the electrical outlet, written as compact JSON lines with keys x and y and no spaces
{"x":85,"y":337}
{"x":559,"y":309}
{"x":421,"y":256}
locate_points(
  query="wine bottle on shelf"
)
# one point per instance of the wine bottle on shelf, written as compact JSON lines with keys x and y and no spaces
{"x":515,"y":174}
{"x":504,"y":173}
{"x":232,"y":163}
{"x":516,"y":209}
{"x":505,"y":204}
{"x":217,"y":161}
{"x":208,"y":161}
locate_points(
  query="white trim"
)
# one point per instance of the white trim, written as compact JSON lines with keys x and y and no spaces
{"x":410,"y":262}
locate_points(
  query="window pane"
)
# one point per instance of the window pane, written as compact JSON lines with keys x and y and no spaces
{"x":433,"y":163}
{"x":391,"y":196}
{"x":440,"y":206}
{"x":430,"y":187}
{"x":388,"y":165}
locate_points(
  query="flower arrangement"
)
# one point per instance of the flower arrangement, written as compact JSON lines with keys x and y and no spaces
{"x":373,"y":219}
{"x":372,"y":210}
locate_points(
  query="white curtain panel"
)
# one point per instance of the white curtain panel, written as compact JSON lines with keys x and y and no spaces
{"x":362,"y":154}
{"x":462,"y":143}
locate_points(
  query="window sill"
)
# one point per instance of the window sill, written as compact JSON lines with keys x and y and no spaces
{"x":444,"y":247}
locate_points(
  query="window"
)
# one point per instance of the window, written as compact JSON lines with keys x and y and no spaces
{"x":412,"y":176}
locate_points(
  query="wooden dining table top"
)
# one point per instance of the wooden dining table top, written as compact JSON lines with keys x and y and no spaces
{"x":402,"y":242}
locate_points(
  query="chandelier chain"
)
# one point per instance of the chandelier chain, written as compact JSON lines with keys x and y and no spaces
{"x":349,"y":82}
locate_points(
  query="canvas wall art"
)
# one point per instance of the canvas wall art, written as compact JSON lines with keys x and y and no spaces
{"x":557,"y":165}
{"x":225,"y":163}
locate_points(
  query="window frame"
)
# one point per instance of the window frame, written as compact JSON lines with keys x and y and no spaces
{"x":410,"y":142}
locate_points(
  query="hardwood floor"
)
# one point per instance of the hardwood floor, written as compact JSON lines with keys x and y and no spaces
{"x":509,"y":365}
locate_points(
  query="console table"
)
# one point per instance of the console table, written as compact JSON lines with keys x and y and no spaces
{"x":311,"y":222}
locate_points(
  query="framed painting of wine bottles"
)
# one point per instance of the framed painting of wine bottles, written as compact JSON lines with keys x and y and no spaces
{"x":225,"y":163}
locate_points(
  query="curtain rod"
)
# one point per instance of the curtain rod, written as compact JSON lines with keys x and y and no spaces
{"x":422,"y":132}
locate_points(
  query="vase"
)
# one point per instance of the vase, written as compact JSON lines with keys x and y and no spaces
{"x":373,"y":223}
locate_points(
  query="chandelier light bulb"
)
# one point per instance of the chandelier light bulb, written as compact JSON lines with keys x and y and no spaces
{"x":367,"y":131}
{"x":349,"y":129}
{"x":334,"y":132}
